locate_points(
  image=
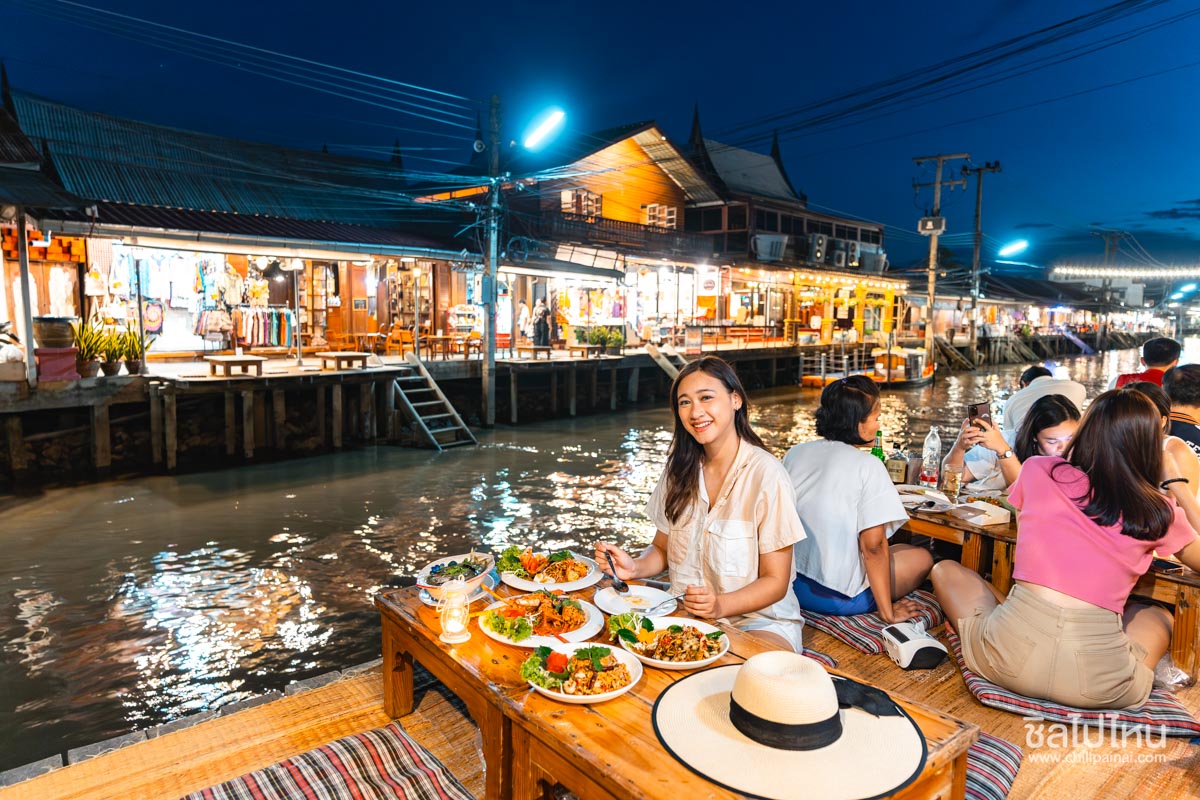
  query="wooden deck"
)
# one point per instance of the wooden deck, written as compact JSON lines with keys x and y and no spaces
{"x":172,"y":765}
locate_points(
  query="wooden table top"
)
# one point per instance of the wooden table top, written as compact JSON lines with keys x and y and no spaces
{"x":1006,"y":531}
{"x":242,"y":359}
{"x":615,"y":740}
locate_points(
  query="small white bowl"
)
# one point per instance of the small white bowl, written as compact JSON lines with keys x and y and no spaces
{"x":472,"y":584}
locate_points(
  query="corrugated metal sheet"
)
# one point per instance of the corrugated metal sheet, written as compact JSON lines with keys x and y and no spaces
{"x":747,"y":172}
{"x":26,"y":187}
{"x":15,"y":148}
{"x":123,"y":161}
{"x":679,"y":169}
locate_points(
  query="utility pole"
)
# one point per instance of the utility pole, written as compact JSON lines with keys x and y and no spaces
{"x":990,"y":166}
{"x":1112,"y":240}
{"x":492,"y":271}
{"x":936,"y":227}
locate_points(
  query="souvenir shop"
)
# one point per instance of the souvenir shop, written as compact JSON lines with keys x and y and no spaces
{"x":55,"y":264}
{"x":577,"y":302}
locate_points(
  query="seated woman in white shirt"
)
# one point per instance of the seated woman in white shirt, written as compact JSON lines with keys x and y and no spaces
{"x":724,"y":512}
{"x":850,"y":509}
{"x":990,"y":462}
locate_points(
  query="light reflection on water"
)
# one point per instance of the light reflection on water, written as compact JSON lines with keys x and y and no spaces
{"x":128,"y":604}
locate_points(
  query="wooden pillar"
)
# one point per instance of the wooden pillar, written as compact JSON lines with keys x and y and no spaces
{"x":553,"y":393}
{"x":16,"y":445}
{"x":512,"y":395}
{"x":278,"y":418}
{"x":336,"y":413}
{"x":101,"y":438}
{"x":248,"y":423}
{"x":170,"y":429}
{"x":260,"y":422}
{"x":612,"y":389}
{"x":632,"y":394}
{"x":572,"y":389}
{"x":366,"y":403}
{"x":230,"y":424}
{"x":594,"y":377}
{"x":320,"y":387}
{"x":156,"y":425}
{"x":389,"y":409}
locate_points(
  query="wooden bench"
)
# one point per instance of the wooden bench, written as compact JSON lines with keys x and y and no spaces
{"x":227,"y":363}
{"x":586,"y":350}
{"x":343,"y":359}
{"x":533,"y":350}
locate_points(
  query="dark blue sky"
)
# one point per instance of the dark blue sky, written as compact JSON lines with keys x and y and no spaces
{"x":1121,"y":157}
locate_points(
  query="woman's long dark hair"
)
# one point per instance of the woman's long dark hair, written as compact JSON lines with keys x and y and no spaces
{"x":1119,"y":447}
{"x":686,"y":454}
{"x":1046,"y":412}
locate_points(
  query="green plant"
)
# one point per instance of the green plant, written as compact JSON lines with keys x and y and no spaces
{"x":616,"y":337}
{"x":112,"y":346}
{"x":89,"y":339}
{"x":598,"y":336}
{"x":132,"y":349}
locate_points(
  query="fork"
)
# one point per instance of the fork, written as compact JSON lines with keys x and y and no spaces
{"x":619,"y":586}
{"x":652,"y":611}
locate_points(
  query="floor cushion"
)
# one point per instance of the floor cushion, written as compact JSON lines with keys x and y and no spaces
{"x":992,"y":766}
{"x":862,"y":631}
{"x":382,"y":764}
{"x":1162,"y":708}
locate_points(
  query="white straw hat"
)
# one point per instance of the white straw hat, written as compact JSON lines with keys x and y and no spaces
{"x":779,"y":727}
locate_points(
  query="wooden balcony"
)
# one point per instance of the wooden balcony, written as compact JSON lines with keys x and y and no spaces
{"x":611,"y":232}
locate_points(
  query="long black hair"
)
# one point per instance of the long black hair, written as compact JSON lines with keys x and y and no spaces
{"x":686,"y":454}
{"x":1119,"y":447}
{"x":845,"y":403}
{"x":1046,"y":412}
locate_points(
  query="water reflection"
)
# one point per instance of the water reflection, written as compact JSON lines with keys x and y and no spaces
{"x":128,"y":604}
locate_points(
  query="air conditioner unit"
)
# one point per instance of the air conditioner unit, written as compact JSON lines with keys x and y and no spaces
{"x":769,"y":246}
{"x":852,"y":253}
{"x":818,"y":244}
{"x":839,"y":258}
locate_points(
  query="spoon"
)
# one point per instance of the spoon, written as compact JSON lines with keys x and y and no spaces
{"x":619,"y":586}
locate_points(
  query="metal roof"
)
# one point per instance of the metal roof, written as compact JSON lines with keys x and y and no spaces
{"x":679,"y":169}
{"x":30,"y":188}
{"x":747,"y":172}
{"x":110,"y":159}
{"x":15,"y":148}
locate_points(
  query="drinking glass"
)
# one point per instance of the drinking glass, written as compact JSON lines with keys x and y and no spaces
{"x":952,"y":481}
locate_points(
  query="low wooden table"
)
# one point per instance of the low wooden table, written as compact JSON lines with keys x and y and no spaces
{"x":229,"y":362}
{"x":343,"y":359}
{"x":534,"y":350}
{"x":586,"y":350}
{"x":606,"y":750}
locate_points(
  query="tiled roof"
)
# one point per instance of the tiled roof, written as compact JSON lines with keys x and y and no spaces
{"x":110,"y":159}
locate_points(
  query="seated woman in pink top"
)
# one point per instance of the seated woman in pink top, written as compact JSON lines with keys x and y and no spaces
{"x":1088,"y":527}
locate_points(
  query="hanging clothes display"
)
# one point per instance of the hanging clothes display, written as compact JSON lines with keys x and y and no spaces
{"x":263,"y":327}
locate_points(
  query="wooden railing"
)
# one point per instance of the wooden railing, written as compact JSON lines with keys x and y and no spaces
{"x":599,"y":230}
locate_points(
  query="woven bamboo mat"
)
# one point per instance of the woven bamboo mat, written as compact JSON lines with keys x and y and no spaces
{"x":1076,"y":774}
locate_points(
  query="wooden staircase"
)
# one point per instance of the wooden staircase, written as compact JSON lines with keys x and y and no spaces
{"x":949,"y":355}
{"x":434,"y":421}
{"x":667,"y":358}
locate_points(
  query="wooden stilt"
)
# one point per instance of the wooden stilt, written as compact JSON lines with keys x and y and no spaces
{"x":572,"y":389}
{"x":389,"y":409}
{"x":230,"y":424}
{"x":594,"y":378}
{"x":101,"y":438}
{"x":170,"y":429}
{"x":17,"y":463}
{"x":612,"y":389}
{"x":366,"y":400}
{"x":336,"y":414}
{"x":278,"y":419}
{"x":260,"y":422}
{"x":321,"y":413}
{"x":248,"y":424}
{"x":512,"y":395}
{"x":633,"y":385}
{"x":156,"y":424}
{"x":553,"y":393}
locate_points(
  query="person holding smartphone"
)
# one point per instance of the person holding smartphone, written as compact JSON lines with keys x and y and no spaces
{"x":990,"y":462}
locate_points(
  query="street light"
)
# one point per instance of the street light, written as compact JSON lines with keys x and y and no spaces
{"x":1013,"y":248}
{"x":544,"y":128}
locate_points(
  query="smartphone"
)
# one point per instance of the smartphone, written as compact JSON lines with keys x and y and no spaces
{"x":976,"y":411}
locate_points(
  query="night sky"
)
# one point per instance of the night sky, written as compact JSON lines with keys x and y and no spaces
{"x":1119,"y":157}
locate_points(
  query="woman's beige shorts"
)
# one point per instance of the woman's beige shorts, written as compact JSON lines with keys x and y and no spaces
{"x":1077,"y":657}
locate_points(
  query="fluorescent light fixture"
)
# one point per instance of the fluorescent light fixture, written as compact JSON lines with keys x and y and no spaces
{"x":1177,"y":296}
{"x":1188,"y":287}
{"x":1013,"y":248}
{"x":544,"y":128}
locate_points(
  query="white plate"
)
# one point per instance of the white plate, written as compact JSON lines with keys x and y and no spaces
{"x":490,"y":580}
{"x":665,"y":622}
{"x":524,"y":585}
{"x":591,"y":626}
{"x":640,"y":598}
{"x":630,"y":662}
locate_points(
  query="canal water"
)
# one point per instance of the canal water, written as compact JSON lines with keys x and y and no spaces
{"x":132,"y":603}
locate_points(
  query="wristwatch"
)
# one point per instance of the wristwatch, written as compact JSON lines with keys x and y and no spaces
{"x":1006,"y":454}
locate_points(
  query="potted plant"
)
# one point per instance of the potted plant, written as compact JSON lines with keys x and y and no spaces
{"x":89,"y":342}
{"x":135,"y":354}
{"x":615,"y":341}
{"x":598,"y":336}
{"x":112,"y":348}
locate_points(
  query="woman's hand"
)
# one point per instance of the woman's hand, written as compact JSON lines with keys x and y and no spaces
{"x":902,"y":611}
{"x":701,"y":601}
{"x":968,"y":437}
{"x":625,"y":564}
{"x":991,"y":438}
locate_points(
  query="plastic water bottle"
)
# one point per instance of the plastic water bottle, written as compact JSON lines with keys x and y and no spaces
{"x":931,"y":459}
